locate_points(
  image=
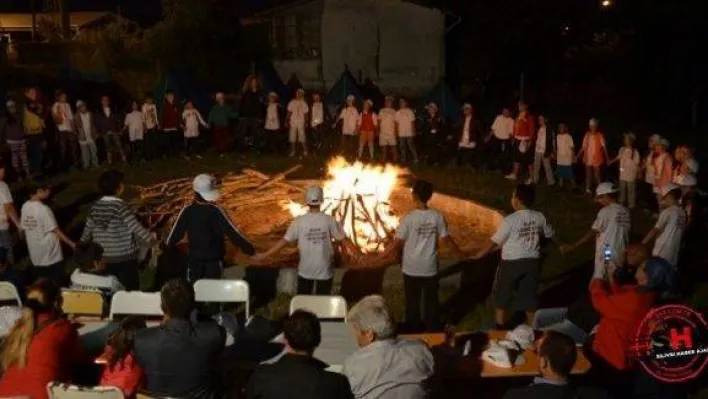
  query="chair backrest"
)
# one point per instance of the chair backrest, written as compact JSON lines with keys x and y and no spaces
{"x":324,"y":307}
{"x":56,"y":390}
{"x":135,"y":303}
{"x":82,"y":303}
{"x":222,"y":291}
{"x":8,"y":293}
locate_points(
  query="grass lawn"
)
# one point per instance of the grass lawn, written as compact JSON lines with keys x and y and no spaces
{"x":571,"y":214}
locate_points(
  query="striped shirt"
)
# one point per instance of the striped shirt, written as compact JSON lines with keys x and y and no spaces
{"x":115,"y":227}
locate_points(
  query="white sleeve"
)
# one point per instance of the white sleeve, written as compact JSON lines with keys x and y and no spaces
{"x":5,"y":194}
{"x":290,"y":106}
{"x":663,"y":221}
{"x":442,"y":226}
{"x":502,"y":233}
{"x":293,"y":231}
{"x":116,"y":285}
{"x":335,"y":230}
{"x":48,"y":220}
{"x":548,"y":231}
{"x":600,"y":223}
{"x":403,"y":229}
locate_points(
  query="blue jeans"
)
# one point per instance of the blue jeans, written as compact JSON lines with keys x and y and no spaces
{"x":554,"y":319}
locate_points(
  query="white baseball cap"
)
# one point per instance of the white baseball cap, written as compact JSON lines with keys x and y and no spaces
{"x":688,"y":181}
{"x":593,"y":122}
{"x":314,"y":196}
{"x":204,"y":185}
{"x":80,"y":104}
{"x":10,"y":103}
{"x":605,"y":188}
{"x":668,"y":188}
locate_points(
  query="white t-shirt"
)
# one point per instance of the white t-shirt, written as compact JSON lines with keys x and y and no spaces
{"x":95,"y":282}
{"x":272,"y":121}
{"x":314,"y":232}
{"x":612,"y":224}
{"x":38,"y":222}
{"x":564,"y":148}
{"x":350,"y":118}
{"x":192,"y":120}
{"x":649,"y":169}
{"x":134,"y":121}
{"x":317,"y":114}
{"x":692,"y":165}
{"x":298,"y":110}
{"x":629,"y":163}
{"x":5,"y":198}
{"x":503,"y":127}
{"x":671,"y":223}
{"x":405,"y":118}
{"x":63,"y":109}
{"x":520,"y":235}
{"x":86,"y":123}
{"x":420,"y":231}
{"x":541,"y":140}
{"x":149,"y":112}
{"x":387,"y":122}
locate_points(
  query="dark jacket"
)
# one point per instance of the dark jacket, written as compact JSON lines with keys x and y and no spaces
{"x":434,"y":128}
{"x":171,"y":116}
{"x":206,"y":224}
{"x":180,"y":358}
{"x":297,"y":377}
{"x":550,"y":142}
{"x":476,"y":133}
{"x":550,"y":391}
{"x":252,"y":105}
{"x":11,"y":128}
{"x":81,"y":129}
{"x":105,"y":124}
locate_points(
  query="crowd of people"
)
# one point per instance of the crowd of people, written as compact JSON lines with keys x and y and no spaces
{"x":182,"y":357}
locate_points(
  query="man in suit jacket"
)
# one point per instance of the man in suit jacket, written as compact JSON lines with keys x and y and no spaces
{"x":180,"y":357}
{"x":557,"y":355}
{"x":297,"y":374}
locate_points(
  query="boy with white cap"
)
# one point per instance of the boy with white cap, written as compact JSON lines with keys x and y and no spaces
{"x":669,"y":229}
{"x":366,"y":125}
{"x":469,"y":133}
{"x":629,"y":162}
{"x":350,"y":118}
{"x":87,"y":134}
{"x":387,"y":130}
{"x":297,"y":116}
{"x":594,"y":154}
{"x":314,"y":233}
{"x":610,"y":230}
{"x":206,"y":223}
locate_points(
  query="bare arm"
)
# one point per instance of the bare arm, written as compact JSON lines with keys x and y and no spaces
{"x":63,"y":238}
{"x":282,"y":243}
{"x":651,"y":235}
{"x":450,"y":242}
{"x":582,"y":241}
{"x":488,"y":247}
{"x":11,"y":213}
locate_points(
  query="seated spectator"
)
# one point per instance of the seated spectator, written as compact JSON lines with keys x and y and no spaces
{"x":557,"y":355}
{"x":121,"y":370}
{"x":9,"y":274}
{"x":298,"y":374}
{"x":91,"y":274}
{"x":385,"y":367}
{"x":41,"y":347}
{"x":179,"y":357}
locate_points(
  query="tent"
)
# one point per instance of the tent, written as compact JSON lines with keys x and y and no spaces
{"x":449,"y":105}
{"x":271,"y":82}
{"x":294,"y":83}
{"x":185,"y":86}
{"x":372,"y":92}
{"x":345,"y":86}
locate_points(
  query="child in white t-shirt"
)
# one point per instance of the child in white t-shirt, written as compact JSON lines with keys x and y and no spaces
{"x":314,"y":233}
{"x":405,"y":129}
{"x":565,"y":156}
{"x":519,"y":238}
{"x":191,"y":121}
{"x":91,"y":274}
{"x":349,"y":118}
{"x":629,"y":164}
{"x":43,"y":236}
{"x":135,"y":125}
{"x":418,"y":236}
{"x":610,"y":231}
{"x":669,"y":229}
{"x":297,"y":117}
{"x":387,"y":131}
{"x":272,"y":126}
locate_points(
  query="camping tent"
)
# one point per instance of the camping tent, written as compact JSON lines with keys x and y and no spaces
{"x":185,"y":87}
{"x":345,"y":86}
{"x":294,"y":83}
{"x":447,"y":102}
{"x":372,"y":92}
{"x":271,"y":82}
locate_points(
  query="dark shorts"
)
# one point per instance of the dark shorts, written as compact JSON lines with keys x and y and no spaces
{"x":523,"y":158}
{"x":517,"y":280}
{"x":564,"y":171}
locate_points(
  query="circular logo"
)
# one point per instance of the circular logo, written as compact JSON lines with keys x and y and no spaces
{"x":671,"y":343}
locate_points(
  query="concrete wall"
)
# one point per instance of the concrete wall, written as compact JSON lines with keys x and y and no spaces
{"x":306,"y":70}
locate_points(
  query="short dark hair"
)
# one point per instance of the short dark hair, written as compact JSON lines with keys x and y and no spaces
{"x":87,"y":254}
{"x":33,"y":187}
{"x":676,"y":194}
{"x":423,"y":190}
{"x":526,"y":194}
{"x":559,"y":349}
{"x":302,"y":331}
{"x":177,"y":298}
{"x":109,"y":182}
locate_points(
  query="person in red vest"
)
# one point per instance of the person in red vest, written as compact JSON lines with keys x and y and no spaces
{"x":171,"y":117}
{"x":368,"y":121}
{"x":524,"y":129}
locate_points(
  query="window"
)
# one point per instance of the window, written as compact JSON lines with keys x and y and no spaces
{"x":295,"y":37}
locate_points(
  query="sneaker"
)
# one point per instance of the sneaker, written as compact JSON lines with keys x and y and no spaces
{"x":198,"y":156}
{"x":510,"y":176}
{"x":222,"y":155}
{"x":529,"y":181}
{"x":588,"y":192}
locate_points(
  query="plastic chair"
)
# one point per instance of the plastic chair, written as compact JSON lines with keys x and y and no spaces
{"x":223,"y":291}
{"x":56,"y":390}
{"x":82,"y":303}
{"x":8,"y":293}
{"x":135,"y":303}
{"x":324,"y":307}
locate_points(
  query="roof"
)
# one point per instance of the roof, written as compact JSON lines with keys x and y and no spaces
{"x":23,"y":22}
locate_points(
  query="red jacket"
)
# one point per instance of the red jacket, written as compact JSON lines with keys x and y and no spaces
{"x":170,"y":116}
{"x":525,"y":129}
{"x":126,"y":375}
{"x":51,"y":354}
{"x":621,"y":309}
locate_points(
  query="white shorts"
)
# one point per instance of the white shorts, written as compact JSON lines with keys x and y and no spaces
{"x":297,"y":133}
{"x":387,"y":140}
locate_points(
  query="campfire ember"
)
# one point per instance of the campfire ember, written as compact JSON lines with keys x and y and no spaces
{"x":358,"y":195}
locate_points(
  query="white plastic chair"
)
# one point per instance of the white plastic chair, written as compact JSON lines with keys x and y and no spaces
{"x":56,"y":390}
{"x":8,"y":292}
{"x":135,"y":303}
{"x":324,"y":307}
{"x":223,"y":291}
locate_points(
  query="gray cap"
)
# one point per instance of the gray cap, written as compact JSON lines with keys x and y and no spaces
{"x":314,"y":196}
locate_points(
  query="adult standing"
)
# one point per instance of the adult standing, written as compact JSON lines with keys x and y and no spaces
{"x":171,"y":119}
{"x":469,"y":134}
{"x":434,"y":136}
{"x":319,"y":118}
{"x":350,"y":118}
{"x":219,"y":118}
{"x":594,"y":155}
{"x":109,"y":125}
{"x":12,"y":131}
{"x":405,"y":129}
{"x":87,"y":135}
{"x":251,"y":111}
{"x":8,"y":214}
{"x":64,"y":120}
{"x":545,"y":142}
{"x":524,"y":129}
{"x":152,"y":127}
{"x":33,"y":123}
{"x":500,"y":140}
{"x":387,"y":131}
{"x":112,"y":225}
